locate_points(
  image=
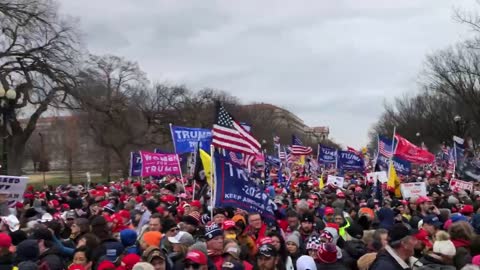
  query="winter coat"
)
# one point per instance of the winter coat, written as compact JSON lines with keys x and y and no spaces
{"x":353,"y":250}
{"x":462,"y":254}
{"x":388,"y":259}
{"x":331,"y":266}
{"x":429,"y":262}
{"x":6,"y":262}
{"x":51,"y":259}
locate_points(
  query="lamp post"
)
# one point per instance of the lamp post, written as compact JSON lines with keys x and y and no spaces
{"x":7,"y":99}
{"x":458,"y":121}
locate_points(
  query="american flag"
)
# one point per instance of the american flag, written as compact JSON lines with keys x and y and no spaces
{"x":298,"y":148}
{"x":282,"y":155}
{"x":451,"y":161}
{"x":230,"y":135}
{"x":242,"y":159}
{"x":385,"y":148}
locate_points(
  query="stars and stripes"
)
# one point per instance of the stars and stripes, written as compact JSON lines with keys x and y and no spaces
{"x":384,"y":147}
{"x":282,"y":155}
{"x":297,"y":147}
{"x":230,"y":135}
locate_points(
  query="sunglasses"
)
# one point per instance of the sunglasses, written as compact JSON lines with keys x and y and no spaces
{"x":192,"y":265}
{"x":174,"y":230}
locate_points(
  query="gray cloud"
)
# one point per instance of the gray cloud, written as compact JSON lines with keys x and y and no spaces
{"x":331,"y":62}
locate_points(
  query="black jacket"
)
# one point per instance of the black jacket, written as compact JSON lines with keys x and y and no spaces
{"x":52,"y":259}
{"x":6,"y":262}
{"x":431,"y":263}
{"x":331,"y":266}
{"x":353,"y":250}
{"x":386,"y":261}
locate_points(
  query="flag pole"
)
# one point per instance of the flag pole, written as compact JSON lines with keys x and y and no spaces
{"x":213,"y":177}
{"x":454,"y":156}
{"x":318,"y":151}
{"x":194,"y":166}
{"x":336,"y":159}
{"x":178,"y":159}
{"x":394,"y":148}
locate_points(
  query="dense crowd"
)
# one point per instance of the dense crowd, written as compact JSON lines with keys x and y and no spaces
{"x":157,"y":225}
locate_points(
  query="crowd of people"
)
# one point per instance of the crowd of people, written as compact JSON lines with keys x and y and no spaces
{"x":154,"y":224}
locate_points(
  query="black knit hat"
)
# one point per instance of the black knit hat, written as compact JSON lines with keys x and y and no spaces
{"x":168,"y":224}
{"x":355,"y":231}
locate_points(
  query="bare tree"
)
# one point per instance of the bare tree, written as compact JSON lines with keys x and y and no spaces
{"x":37,"y":55}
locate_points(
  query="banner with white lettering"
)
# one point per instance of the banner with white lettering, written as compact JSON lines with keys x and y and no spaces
{"x":186,"y":139}
{"x":458,"y":185}
{"x":135,"y":164}
{"x":159,"y":164}
{"x":350,"y":161}
{"x":14,"y":186}
{"x":410,"y":190}
{"x":327,"y":155}
{"x":335,"y":180}
{"x":235,"y":189}
{"x":401,"y":166}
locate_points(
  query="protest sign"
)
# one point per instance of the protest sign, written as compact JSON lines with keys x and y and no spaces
{"x":401,"y":166}
{"x":327,"y":155}
{"x":335,"y":180}
{"x":186,"y":139}
{"x":410,"y":190}
{"x":350,"y":161}
{"x":235,"y":189}
{"x":159,"y":164}
{"x":458,"y":185}
{"x":374,"y":176}
{"x":14,"y":186}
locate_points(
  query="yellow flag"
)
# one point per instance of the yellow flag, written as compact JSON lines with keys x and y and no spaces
{"x":207,"y":166}
{"x":320,"y":182}
{"x":393,"y":181}
{"x":301,"y":161}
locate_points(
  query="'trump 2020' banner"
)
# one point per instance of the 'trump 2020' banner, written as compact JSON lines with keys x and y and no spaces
{"x":159,"y":164}
{"x":186,"y":139}
{"x":327,"y":155}
{"x":349,"y":161}
{"x":235,"y":189}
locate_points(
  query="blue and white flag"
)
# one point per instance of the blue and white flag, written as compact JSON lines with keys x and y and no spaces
{"x":272,"y":161}
{"x":459,"y":150}
{"x":349,"y":161}
{"x":401,"y":166}
{"x":135,"y":164}
{"x":235,"y":189}
{"x":327,"y":155}
{"x":186,"y":139}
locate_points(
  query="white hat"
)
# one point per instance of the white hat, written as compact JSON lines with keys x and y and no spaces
{"x":12,"y":222}
{"x":182,"y":238}
{"x":306,"y":263}
{"x":443,"y":245}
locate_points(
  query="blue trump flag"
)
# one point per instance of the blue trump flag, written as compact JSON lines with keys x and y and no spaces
{"x":235,"y":189}
{"x":135,"y":164}
{"x":349,"y":161}
{"x":186,"y":139}
{"x":327,"y":155}
{"x":401,"y":166}
{"x":459,"y":150}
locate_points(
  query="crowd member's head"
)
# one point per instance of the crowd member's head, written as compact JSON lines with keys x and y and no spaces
{"x":313,"y":243}
{"x":339,"y":219}
{"x":401,"y":239}
{"x":106,"y":265}
{"x":327,"y":253}
{"x":89,"y":240}
{"x":155,"y":223}
{"x":306,"y":263}
{"x":191,"y":222}
{"x":293,"y":220}
{"x":196,"y":206}
{"x":80,"y":226}
{"x":443,"y":247}
{"x":83,"y":256}
{"x":181,"y":242}
{"x":128,"y":261}
{"x":267,"y":257}
{"x":231,"y":251}
{"x":155,"y":257}
{"x":128,"y":237}
{"x":329,"y":214}
{"x":306,"y":223}
{"x":150,"y":239}
{"x":219,"y":216}
{"x":424,"y":204}
{"x":278,"y":243}
{"x":293,"y":244}
{"x":431,"y":224}
{"x":461,"y":230}
{"x":5,"y":244}
{"x":214,"y":237}
{"x":255,"y":221}
{"x":196,"y":260}
{"x":230,"y":229}
{"x":44,"y":239}
{"x":169,"y":228}
{"x":100,"y":228}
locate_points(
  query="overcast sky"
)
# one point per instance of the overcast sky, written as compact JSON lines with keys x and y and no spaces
{"x":331,"y":62}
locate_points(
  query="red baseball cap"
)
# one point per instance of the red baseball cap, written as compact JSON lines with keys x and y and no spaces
{"x":196,"y":256}
{"x":76,"y":267}
{"x":5,"y":240}
{"x":329,"y":211}
{"x":124,"y":214}
{"x":196,"y":203}
{"x":467,"y":209}
{"x":423,"y":199}
{"x":229,"y":224}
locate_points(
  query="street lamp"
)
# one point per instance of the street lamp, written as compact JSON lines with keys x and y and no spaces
{"x":457,"y":119}
{"x":7,"y":99}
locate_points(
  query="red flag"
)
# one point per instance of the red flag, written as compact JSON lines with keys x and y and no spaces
{"x":410,"y":152}
{"x":351,"y":149}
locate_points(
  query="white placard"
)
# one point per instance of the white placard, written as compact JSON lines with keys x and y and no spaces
{"x":14,"y":186}
{"x":410,"y":190}
{"x":457,"y":185}
{"x":381,"y":176}
{"x":335,"y":180}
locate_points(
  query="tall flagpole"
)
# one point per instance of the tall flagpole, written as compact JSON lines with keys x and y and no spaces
{"x":318,"y":151}
{"x":394,"y":149}
{"x":454,"y":156}
{"x":213,"y":177}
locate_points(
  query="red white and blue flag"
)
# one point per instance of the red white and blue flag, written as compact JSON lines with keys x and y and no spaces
{"x":298,"y":149}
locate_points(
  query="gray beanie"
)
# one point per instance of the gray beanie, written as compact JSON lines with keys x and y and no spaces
{"x":200,"y":246}
{"x":293,"y":237}
{"x":452,"y":200}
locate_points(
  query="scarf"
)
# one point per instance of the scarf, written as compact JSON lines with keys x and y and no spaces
{"x":461,"y":243}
